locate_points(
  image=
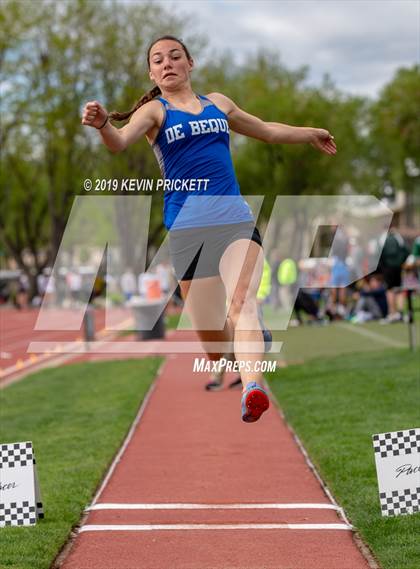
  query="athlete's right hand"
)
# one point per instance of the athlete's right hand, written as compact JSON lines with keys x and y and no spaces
{"x":94,"y":114}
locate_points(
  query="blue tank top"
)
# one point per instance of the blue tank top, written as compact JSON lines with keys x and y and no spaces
{"x":193,"y":152}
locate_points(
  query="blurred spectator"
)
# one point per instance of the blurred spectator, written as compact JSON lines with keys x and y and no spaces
{"x":4,"y":292}
{"x":340,"y":274}
{"x":358,"y":258}
{"x":264,"y":289}
{"x":416,"y":255}
{"x":22,"y":294}
{"x":74,"y":285}
{"x":49,"y":293}
{"x":293,"y":279}
{"x":394,"y":253}
{"x":9,"y":282}
{"x":60,"y":286}
{"x":371,"y":300}
{"x":111,"y":283}
{"x":306,"y":303}
{"x":41,"y":283}
{"x":142,"y":283}
{"x":412,"y":266}
{"x":128,"y":283}
{"x":287,"y":277}
{"x":164,"y":272}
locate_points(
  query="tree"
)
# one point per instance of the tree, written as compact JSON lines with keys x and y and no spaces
{"x":275,"y":94}
{"x":55,"y":57}
{"x":395,"y":135}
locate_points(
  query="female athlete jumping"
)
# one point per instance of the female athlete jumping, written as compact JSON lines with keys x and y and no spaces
{"x":215,"y":247}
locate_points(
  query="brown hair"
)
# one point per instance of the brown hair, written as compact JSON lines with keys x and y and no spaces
{"x":155,"y":91}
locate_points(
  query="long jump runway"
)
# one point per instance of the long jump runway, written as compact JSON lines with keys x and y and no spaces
{"x":194,"y":487}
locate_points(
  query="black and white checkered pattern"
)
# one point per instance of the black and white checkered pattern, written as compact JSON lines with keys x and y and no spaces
{"x":400,"y":502}
{"x":396,"y":443}
{"x":16,"y":454}
{"x":40,"y":510}
{"x":17,"y":514}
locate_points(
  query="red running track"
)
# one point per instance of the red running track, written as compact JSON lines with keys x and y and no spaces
{"x":193,"y":473}
{"x":17,"y":332}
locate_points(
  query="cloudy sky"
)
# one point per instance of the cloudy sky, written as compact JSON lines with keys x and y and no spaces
{"x":360,"y":43}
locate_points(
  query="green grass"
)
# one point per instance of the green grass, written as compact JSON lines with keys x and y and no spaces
{"x":335,"y":404}
{"x":306,"y":342}
{"x":77,"y":417}
{"x":172,"y":320}
{"x":303,"y":343}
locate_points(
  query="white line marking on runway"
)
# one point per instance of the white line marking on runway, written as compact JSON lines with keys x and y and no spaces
{"x":184,"y":506}
{"x":183,"y":527}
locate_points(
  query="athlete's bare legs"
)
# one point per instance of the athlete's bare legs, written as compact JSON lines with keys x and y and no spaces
{"x":241,"y":269}
{"x":206,"y":299}
{"x":205,"y":303}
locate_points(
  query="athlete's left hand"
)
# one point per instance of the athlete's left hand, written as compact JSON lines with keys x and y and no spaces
{"x":323,"y":141}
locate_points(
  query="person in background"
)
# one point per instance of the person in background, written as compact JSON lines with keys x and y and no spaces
{"x":287,"y":278}
{"x":371,"y":301}
{"x":74,"y":285}
{"x":49,"y":294}
{"x":411,"y":266}
{"x":394,"y":253}
{"x":22,"y":294}
{"x":306,"y":302}
{"x":340,"y":274}
{"x":164,"y":272}
{"x":41,"y":283}
{"x":128,"y":283}
{"x":416,"y":255}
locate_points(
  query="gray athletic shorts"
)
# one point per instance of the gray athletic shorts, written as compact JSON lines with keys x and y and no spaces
{"x":196,"y":252}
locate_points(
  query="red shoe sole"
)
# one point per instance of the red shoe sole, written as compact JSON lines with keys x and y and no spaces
{"x":256,"y":402}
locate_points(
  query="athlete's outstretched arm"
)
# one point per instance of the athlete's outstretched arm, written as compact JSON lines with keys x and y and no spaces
{"x":117,"y":139}
{"x":272,"y":132}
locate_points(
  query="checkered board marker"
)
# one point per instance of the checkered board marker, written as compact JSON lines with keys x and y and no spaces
{"x":20,"y":502}
{"x":397,"y":457}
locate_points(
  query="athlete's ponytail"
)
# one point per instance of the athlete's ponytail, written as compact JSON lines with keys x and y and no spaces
{"x":116,"y":116}
{"x":155,"y":91}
